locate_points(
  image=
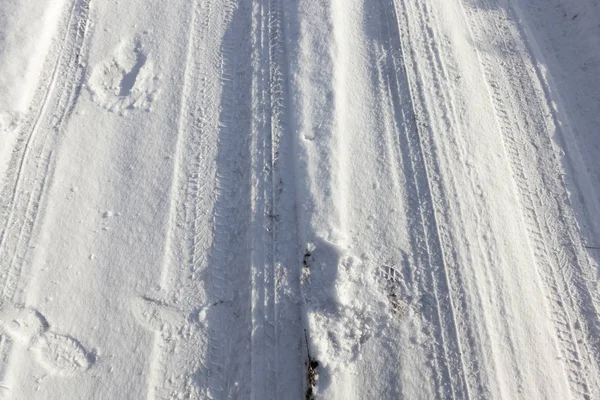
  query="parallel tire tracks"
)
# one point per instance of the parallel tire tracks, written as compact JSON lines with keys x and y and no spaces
{"x":207,"y":273}
{"x":556,"y":245}
{"x":31,"y":166}
{"x":229,"y":326}
{"x":275,"y":281}
{"x":454,"y":369}
{"x":229,"y":255}
{"x":189,"y":238}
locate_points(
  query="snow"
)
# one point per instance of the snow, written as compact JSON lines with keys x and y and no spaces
{"x":314,"y":199}
{"x":26,"y":32}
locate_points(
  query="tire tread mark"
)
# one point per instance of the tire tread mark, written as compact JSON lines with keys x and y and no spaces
{"x":189,"y":238}
{"x":563,"y":289}
{"x":449,"y":365}
{"x":30,"y":172}
{"x":32,"y":160}
{"x":275,"y":318}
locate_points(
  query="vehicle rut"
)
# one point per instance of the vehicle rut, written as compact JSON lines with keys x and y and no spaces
{"x":30,"y":170}
{"x":32,"y":161}
{"x":553,"y":238}
{"x":435,"y":270}
{"x":230,"y":262}
{"x":276,"y":329}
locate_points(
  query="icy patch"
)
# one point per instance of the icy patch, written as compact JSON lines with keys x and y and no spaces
{"x":126,"y":81}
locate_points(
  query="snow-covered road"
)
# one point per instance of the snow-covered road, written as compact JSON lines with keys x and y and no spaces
{"x":332,"y":199}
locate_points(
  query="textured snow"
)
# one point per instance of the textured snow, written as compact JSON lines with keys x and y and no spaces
{"x":345,"y":199}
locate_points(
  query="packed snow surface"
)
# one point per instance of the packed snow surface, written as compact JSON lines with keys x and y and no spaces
{"x":329,"y":199}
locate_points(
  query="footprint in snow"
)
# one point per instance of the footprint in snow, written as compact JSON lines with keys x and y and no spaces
{"x":59,"y":354}
{"x":8,"y":121}
{"x":62,"y":354}
{"x":171,"y":322}
{"x":126,"y":81}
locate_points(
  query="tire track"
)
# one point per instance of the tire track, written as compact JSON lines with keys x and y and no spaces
{"x":440,"y":68}
{"x":562,"y":264}
{"x":202,"y":312}
{"x":31,"y":166}
{"x":437,"y":75}
{"x":227,"y":262}
{"x":229,"y":326}
{"x":443,"y":68}
{"x":5,"y":350}
{"x":275,"y":283}
{"x":178,"y":346}
{"x":434,"y":261}
{"x":32,"y":163}
{"x":263,"y":257}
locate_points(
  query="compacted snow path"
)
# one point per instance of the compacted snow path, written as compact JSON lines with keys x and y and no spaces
{"x":345,"y":199}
